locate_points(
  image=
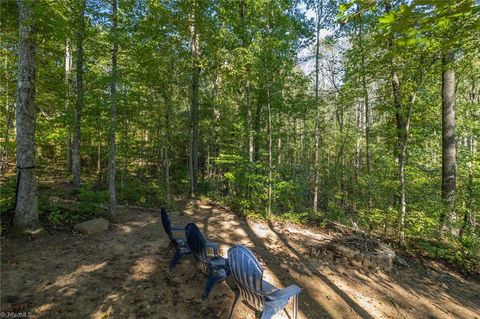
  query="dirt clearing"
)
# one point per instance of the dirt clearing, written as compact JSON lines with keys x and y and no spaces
{"x":123,"y":273}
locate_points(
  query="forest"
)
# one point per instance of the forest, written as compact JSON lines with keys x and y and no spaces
{"x":343,"y":116}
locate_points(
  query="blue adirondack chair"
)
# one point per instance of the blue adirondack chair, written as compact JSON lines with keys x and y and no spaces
{"x":215,"y":267}
{"x":259,"y":294}
{"x":179,"y":244}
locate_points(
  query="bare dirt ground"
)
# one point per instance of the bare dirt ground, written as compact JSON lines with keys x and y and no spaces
{"x":123,"y":273}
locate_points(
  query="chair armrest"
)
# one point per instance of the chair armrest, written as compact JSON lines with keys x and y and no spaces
{"x":176,"y":230}
{"x":285,"y":293}
{"x":218,"y":263}
{"x":213,"y":246}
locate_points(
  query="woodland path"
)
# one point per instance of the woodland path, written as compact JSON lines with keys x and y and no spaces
{"x":123,"y":274}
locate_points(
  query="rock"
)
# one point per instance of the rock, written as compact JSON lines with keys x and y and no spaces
{"x":93,"y":226}
{"x":400,"y":261}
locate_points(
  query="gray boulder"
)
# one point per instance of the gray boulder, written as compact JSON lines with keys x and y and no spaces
{"x":92,"y":227}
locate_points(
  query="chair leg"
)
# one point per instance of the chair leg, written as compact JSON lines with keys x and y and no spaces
{"x":175,"y":259}
{"x":235,"y":304}
{"x":295,"y":306}
{"x":211,"y":280}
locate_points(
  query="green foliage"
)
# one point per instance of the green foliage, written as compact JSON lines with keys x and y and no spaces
{"x":463,"y":252}
{"x":7,"y":194}
{"x":59,"y":213}
{"x":251,"y":60}
{"x":147,"y":193}
{"x":91,"y":201}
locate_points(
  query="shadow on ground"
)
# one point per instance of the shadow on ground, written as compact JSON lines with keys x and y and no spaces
{"x":123,"y":273}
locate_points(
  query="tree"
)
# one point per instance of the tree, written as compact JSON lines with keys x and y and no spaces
{"x":195,"y":48}
{"x":79,"y":101}
{"x":113,"y":115}
{"x":26,"y":210}
{"x":68,"y":71}
{"x":319,"y":17}
{"x":449,"y":162}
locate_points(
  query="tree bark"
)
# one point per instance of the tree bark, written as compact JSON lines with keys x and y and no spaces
{"x":469,"y":218}
{"x":256,"y":127}
{"x":316,"y":175}
{"x":26,"y":210}
{"x":449,"y":162}
{"x":245,"y":43}
{"x":79,"y":102}
{"x":366,"y":109}
{"x":269,"y":132}
{"x":251,"y":146}
{"x":113,"y":116}
{"x":166,"y":158}
{"x":358,"y":117}
{"x":401,"y":144}
{"x":195,"y":47}
{"x":68,"y":79}
{"x":68,"y":160}
{"x":99,"y":159}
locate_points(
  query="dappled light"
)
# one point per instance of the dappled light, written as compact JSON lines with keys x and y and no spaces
{"x":240,"y":159}
{"x":143,"y":268}
{"x":123,"y":272}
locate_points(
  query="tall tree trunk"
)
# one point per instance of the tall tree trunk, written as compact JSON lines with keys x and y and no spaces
{"x":99,"y":159}
{"x":402,"y":124}
{"x":68,"y":93}
{"x":469,"y":219}
{"x":256,"y":127}
{"x":358,"y":117}
{"x":401,"y":148}
{"x":26,"y":210}
{"x":68,"y":160}
{"x":316,"y":179}
{"x":367,"y":122}
{"x":79,"y":103}
{"x":251,"y":146}
{"x":245,"y":42}
{"x":269,"y":132}
{"x":195,"y":47}
{"x":366,"y":109}
{"x":166,"y":147}
{"x":113,"y":116}
{"x":449,"y":162}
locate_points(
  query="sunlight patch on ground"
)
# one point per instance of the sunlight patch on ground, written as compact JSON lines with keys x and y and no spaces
{"x":143,"y":268}
{"x":113,"y":296}
{"x":43,"y":308}
{"x":125,"y":229}
{"x":307,"y":233}
{"x":101,"y":314}
{"x":69,"y":292}
{"x":141,"y":223}
{"x":70,"y":279}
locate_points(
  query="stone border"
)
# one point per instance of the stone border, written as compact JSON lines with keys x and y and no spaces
{"x":381,"y":259}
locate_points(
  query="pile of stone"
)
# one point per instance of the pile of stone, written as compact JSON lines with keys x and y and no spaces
{"x":359,"y":250}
